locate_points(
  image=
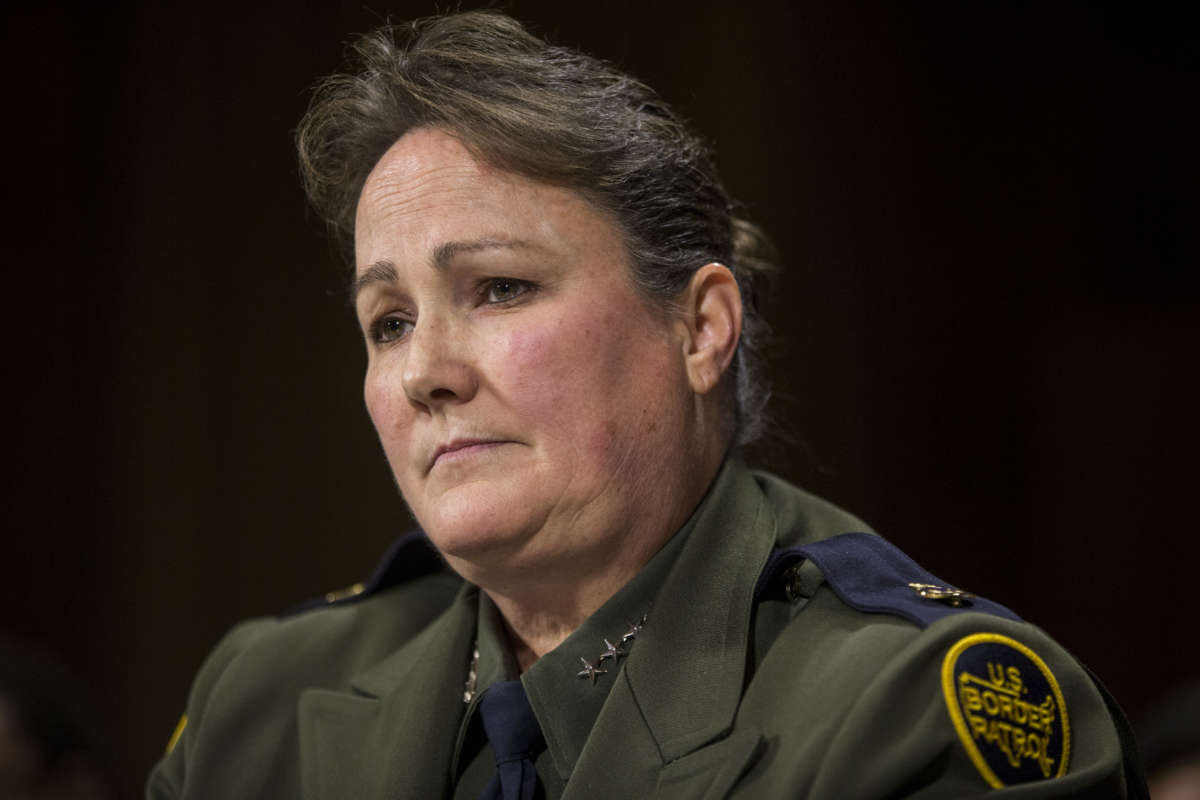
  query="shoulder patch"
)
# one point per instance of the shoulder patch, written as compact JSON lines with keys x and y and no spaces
{"x":1007,"y":709}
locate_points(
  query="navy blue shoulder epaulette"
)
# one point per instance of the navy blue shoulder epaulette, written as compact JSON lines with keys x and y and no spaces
{"x":870,"y":574}
{"x":408,"y":558}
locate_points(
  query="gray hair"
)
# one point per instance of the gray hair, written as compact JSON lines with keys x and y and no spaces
{"x":553,"y":115}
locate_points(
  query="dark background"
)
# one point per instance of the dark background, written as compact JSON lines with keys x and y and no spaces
{"x":987,"y":324}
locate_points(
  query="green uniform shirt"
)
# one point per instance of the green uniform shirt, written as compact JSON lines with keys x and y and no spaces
{"x":721,"y":695}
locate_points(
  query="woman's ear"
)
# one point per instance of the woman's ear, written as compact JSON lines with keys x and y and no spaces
{"x":712,"y":319}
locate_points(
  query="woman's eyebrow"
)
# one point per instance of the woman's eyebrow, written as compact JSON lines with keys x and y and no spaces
{"x":384,"y":271}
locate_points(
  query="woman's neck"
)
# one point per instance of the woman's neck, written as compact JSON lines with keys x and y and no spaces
{"x":544,"y":596}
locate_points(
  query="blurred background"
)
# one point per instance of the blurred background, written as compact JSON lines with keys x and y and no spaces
{"x":987,"y":327}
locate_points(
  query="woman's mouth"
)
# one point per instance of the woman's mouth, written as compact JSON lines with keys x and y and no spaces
{"x":461,"y":449}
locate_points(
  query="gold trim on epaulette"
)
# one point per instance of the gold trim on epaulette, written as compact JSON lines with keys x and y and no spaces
{"x":174,"y":740}
{"x":1008,"y":710}
{"x":342,"y":594}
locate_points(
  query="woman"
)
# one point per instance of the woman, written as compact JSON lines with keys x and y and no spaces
{"x":558,"y":307}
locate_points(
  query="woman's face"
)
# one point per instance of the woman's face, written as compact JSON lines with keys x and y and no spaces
{"x":531,"y":406}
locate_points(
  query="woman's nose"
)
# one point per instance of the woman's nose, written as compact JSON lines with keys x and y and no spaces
{"x":438,"y":367}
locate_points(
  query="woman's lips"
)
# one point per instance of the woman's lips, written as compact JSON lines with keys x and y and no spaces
{"x":461,"y":449}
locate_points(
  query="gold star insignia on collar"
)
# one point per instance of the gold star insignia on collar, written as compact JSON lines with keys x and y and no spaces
{"x":612,"y":651}
{"x":634,"y":629}
{"x":590,"y":670}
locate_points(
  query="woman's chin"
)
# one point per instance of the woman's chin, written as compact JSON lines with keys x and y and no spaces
{"x":475,"y":538}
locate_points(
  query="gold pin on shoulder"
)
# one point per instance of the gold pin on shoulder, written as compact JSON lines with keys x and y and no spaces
{"x":943,"y":594}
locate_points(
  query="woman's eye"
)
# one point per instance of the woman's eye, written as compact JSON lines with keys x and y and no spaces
{"x":389,"y":329}
{"x":499,"y":290}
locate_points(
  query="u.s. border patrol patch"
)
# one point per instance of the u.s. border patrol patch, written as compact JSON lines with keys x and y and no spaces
{"x":1007,"y":708}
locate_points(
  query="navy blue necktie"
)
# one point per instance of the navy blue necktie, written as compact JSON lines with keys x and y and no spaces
{"x":516,"y":739}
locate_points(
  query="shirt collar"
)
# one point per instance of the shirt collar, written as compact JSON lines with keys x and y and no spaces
{"x":566,"y":703}
{"x":564,"y":697}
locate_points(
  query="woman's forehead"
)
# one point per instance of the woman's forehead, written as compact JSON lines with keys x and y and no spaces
{"x":429,"y":191}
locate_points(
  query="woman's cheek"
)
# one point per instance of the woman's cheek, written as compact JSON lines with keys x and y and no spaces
{"x":387,"y":406}
{"x":375,"y":399}
{"x":538,"y":359}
